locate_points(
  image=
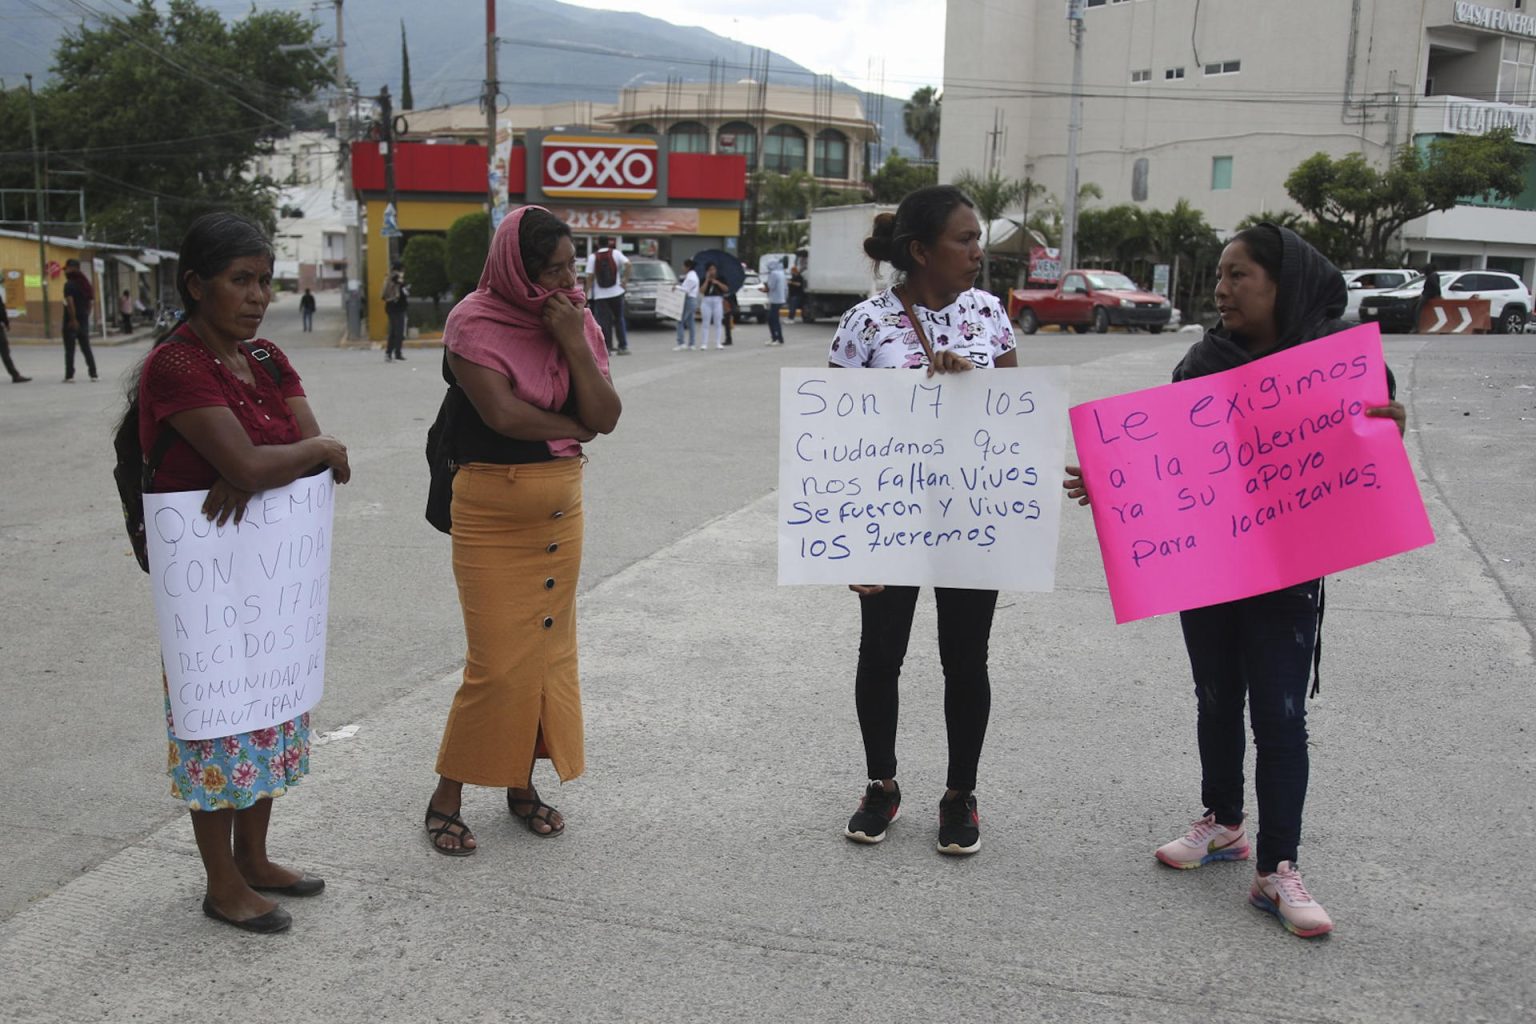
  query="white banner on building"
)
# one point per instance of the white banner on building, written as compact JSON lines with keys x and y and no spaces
{"x":900,"y":478}
{"x":242,"y":610}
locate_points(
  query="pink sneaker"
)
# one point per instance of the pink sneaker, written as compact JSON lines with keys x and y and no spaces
{"x":1284,"y":895}
{"x":1204,"y":842}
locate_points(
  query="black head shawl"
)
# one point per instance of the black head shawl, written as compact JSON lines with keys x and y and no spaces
{"x":1309,"y":297}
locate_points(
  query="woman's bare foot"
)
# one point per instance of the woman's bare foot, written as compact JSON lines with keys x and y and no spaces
{"x":446,"y":801}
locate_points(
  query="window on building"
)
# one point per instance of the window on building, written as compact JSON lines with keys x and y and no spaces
{"x":784,"y":149}
{"x":1221,"y":173}
{"x":643,"y":129}
{"x":1225,"y":67}
{"x":1517,"y":73}
{"x":688,"y":137}
{"x":739,"y":138}
{"x":1144,"y":75}
{"x":1139,"y":172}
{"x":1173,"y":74}
{"x":831,"y":154}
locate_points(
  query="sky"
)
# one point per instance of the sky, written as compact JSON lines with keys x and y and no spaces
{"x":828,"y":36}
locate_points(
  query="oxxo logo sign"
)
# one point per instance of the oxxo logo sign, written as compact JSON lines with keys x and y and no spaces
{"x":600,"y":167}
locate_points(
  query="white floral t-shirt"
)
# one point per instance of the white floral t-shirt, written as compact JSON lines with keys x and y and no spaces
{"x":876,"y":333}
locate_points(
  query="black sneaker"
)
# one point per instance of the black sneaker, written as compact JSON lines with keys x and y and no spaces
{"x":959,"y":826}
{"x":876,"y":812}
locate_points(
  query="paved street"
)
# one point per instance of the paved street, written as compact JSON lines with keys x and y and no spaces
{"x":703,"y":876}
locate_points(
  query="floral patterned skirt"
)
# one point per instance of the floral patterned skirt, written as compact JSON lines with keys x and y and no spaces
{"x":233,"y":772}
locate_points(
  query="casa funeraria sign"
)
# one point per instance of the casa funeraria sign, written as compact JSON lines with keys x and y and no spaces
{"x":1496,"y":20}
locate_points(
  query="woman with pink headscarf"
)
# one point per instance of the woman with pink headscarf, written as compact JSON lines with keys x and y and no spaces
{"x":530,"y":375}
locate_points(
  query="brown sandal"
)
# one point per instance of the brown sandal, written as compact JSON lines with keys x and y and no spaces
{"x":454,"y":827}
{"x":538,"y":810}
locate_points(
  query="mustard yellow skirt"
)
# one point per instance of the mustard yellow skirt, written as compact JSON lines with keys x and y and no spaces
{"x":516,"y":556}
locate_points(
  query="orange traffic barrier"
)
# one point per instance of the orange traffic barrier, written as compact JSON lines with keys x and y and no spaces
{"x":1455,"y":316}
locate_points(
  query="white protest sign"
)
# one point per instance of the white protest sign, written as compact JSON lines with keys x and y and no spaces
{"x":670,"y":303}
{"x":242,"y":609}
{"x":890,"y":476}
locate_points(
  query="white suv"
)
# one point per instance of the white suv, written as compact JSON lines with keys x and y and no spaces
{"x":1363,"y":284}
{"x":1509,"y":301}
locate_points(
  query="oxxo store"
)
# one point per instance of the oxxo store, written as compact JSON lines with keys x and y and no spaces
{"x":656,"y":203}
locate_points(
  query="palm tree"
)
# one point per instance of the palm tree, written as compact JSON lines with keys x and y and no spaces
{"x":993,"y":195}
{"x":920,"y":117}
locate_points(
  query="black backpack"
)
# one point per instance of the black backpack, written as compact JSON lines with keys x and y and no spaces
{"x":606,"y":269}
{"x":135,"y":473}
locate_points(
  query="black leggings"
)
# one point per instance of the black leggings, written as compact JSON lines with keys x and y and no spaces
{"x":965,"y":626}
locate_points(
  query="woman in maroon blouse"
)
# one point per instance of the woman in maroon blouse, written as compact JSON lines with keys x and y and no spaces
{"x":240,"y":428}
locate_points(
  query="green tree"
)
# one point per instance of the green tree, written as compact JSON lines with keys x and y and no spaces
{"x":783,"y":202}
{"x":426,"y":267}
{"x":897,"y":176}
{"x":406,"y":102}
{"x":172,"y":104}
{"x":920,"y":117}
{"x":993,"y":195}
{"x":467,"y":246}
{"x":1362,"y":208}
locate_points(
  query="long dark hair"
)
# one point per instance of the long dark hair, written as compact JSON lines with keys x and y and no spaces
{"x":921,"y":217}
{"x":1265,"y":246}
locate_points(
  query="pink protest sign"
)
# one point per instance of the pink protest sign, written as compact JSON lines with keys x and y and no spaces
{"x":1249,"y":480}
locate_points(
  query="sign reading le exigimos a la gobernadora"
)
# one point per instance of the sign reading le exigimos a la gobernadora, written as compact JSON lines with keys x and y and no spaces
{"x":242,"y":609}
{"x":1248,"y":481}
{"x":896,"y":477}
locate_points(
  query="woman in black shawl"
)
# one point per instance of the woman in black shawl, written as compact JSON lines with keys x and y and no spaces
{"x":1273,"y":291}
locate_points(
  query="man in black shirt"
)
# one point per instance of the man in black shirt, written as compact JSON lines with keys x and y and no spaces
{"x":79,"y":296}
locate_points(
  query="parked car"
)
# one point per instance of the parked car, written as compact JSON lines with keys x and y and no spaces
{"x":1509,"y":301}
{"x":1096,"y":299}
{"x":752,"y":300}
{"x":646,"y":277}
{"x":1364,"y":284}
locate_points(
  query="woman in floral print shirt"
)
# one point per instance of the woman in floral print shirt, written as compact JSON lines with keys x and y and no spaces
{"x":933,"y":240}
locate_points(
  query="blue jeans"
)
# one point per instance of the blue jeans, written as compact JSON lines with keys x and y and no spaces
{"x":1259,"y":648}
{"x":775,"y":328}
{"x":690,"y":307}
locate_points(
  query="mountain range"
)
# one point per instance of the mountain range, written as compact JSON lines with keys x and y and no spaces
{"x":548,"y":52}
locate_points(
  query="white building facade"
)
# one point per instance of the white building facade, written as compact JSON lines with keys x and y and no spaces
{"x":1217,"y":102}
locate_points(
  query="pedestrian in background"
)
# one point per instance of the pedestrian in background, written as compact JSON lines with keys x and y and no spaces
{"x":1429,"y":293}
{"x":1273,"y":292}
{"x":397,"y":305}
{"x":714,"y":291}
{"x":5,"y":346}
{"x":689,"y":283}
{"x":79,"y":297}
{"x":934,"y":318}
{"x":125,"y":311}
{"x":307,"y":309}
{"x":778,"y":292}
{"x":796,"y":292}
{"x":239,"y":428}
{"x":607,"y":274}
{"x":533,"y":370}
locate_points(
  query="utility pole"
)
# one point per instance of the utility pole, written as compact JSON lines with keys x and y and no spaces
{"x":387,"y":125}
{"x":492,"y":87}
{"x":351,"y":298}
{"x":37,"y":199}
{"x":1078,"y":30}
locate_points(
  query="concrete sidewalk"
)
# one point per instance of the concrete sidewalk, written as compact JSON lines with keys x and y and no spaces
{"x":704,"y":877}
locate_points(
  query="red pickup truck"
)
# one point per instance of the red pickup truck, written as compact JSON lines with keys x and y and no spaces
{"x":1089,"y":299}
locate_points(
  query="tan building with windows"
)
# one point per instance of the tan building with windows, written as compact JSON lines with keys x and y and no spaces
{"x":1217,"y":102}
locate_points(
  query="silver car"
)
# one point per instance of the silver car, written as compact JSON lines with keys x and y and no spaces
{"x":646,"y":277}
{"x":752,"y":300}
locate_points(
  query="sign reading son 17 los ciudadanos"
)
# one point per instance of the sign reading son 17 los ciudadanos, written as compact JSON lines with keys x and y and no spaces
{"x":1250,"y":480}
{"x":894,"y":477}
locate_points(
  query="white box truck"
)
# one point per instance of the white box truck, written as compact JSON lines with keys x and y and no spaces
{"x":838,"y":275}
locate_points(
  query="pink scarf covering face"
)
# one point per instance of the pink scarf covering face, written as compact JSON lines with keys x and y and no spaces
{"x":499,"y":326}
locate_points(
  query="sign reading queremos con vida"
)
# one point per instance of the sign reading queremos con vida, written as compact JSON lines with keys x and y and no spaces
{"x":600,"y":167}
{"x":1495,"y":19}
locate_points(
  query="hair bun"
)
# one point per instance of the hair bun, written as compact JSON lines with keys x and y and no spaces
{"x":880,"y":246}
